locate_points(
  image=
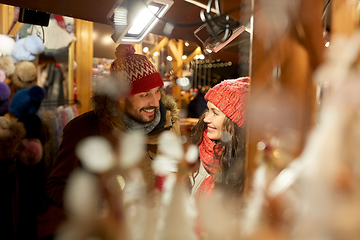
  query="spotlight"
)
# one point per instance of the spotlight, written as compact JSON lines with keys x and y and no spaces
{"x":132,"y":20}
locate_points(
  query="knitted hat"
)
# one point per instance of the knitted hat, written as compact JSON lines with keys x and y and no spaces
{"x":140,"y":72}
{"x":230,"y":96}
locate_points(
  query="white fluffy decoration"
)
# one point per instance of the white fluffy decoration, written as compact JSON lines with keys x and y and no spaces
{"x":162,"y":165}
{"x":170,"y":146}
{"x":95,"y":154}
{"x":6,"y":46}
{"x":178,"y":216}
{"x":81,"y":194}
{"x":192,"y":154}
{"x":112,"y":87}
{"x":339,"y":59}
{"x":132,"y":149}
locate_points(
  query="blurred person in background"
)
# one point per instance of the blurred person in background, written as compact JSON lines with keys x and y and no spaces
{"x":197,"y":106}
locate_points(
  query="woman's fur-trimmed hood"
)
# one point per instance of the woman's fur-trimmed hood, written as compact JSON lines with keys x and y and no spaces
{"x":104,"y":105}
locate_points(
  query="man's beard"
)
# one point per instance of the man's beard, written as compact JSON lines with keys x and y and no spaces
{"x":137,"y":116}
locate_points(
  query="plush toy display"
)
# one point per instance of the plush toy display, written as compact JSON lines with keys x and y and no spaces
{"x":4,"y":98}
{"x":6,"y":46}
{"x":7,"y":65}
{"x":22,"y":179}
{"x":27,"y":48}
{"x":25,"y":75}
{"x":27,"y":101}
{"x":11,"y":133}
{"x":4,"y":95}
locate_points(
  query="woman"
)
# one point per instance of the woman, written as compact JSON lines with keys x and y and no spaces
{"x":221,"y":138}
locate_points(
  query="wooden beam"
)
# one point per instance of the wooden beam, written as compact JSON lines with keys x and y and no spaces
{"x":192,"y":55}
{"x":84,"y":58}
{"x":177,"y":50}
{"x":138,"y":48}
{"x":15,"y":29}
{"x":163,"y":43}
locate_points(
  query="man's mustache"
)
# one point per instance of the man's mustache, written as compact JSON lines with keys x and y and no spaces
{"x":148,"y":108}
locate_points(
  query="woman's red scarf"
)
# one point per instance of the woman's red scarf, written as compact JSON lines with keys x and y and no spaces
{"x":206,"y":152}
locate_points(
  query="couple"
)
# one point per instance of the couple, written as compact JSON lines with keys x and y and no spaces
{"x":219,"y":133}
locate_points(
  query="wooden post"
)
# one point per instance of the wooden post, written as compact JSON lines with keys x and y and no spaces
{"x":84,"y":59}
{"x":6,"y":18}
{"x":282,"y":97}
{"x":177,"y":50}
{"x":71,"y":60}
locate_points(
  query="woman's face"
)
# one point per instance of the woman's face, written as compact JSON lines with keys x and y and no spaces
{"x":214,"y":120}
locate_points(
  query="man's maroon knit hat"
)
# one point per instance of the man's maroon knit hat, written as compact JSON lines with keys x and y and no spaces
{"x":140,"y":72}
{"x":230,"y":96}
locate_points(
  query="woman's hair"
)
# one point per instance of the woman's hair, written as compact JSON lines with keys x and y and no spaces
{"x":231,"y":154}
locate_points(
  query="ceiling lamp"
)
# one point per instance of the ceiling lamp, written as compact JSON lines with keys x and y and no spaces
{"x":132,"y":20}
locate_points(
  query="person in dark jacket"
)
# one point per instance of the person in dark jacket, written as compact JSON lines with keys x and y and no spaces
{"x":145,"y":109}
{"x":197,"y":106}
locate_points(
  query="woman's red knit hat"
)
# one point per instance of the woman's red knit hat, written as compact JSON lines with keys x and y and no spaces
{"x":140,"y":72}
{"x":230,"y":96}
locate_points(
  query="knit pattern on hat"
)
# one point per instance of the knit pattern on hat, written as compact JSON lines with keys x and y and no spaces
{"x":230,"y":96}
{"x":134,"y":68}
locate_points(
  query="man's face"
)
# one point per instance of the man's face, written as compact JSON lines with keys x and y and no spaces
{"x":141,"y":107}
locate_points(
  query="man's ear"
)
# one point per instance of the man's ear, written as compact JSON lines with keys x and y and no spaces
{"x":122,"y":104}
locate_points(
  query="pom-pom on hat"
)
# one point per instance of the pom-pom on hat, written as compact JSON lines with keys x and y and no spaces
{"x":4,"y":98}
{"x":7,"y":65}
{"x":135,"y":69}
{"x":26,"y":101}
{"x":230,"y":96}
{"x":25,"y":74}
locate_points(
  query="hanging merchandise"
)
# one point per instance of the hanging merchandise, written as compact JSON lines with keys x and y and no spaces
{"x":53,"y":86}
{"x":54,"y":36}
{"x":27,"y":48}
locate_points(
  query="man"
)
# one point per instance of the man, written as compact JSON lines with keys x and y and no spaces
{"x":145,"y":109}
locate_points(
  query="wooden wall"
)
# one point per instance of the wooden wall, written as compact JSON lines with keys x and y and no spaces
{"x":84,"y":59}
